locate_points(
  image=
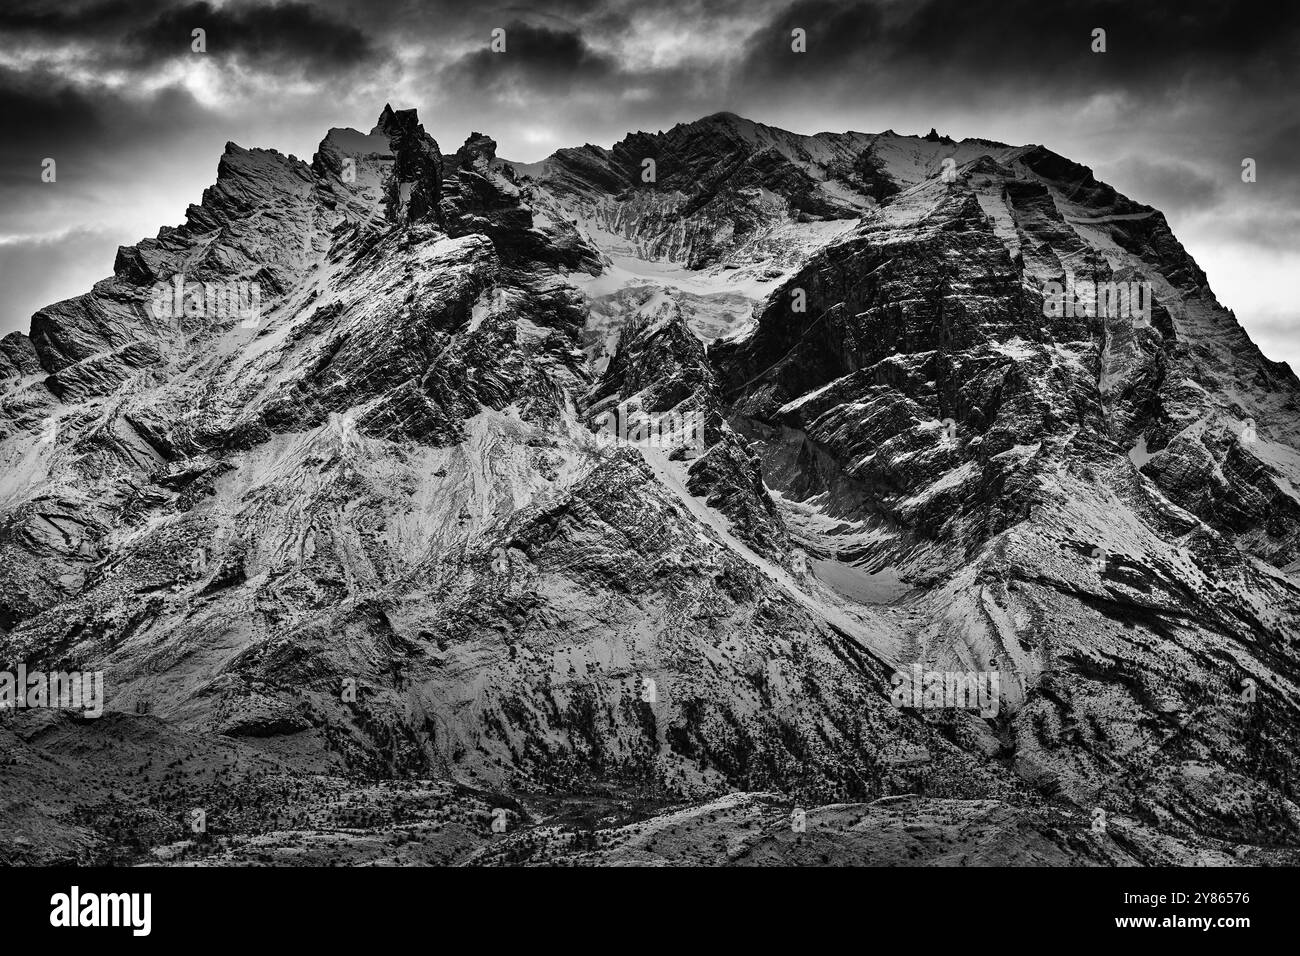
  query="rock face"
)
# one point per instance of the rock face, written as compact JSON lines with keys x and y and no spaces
{"x":634,"y":476}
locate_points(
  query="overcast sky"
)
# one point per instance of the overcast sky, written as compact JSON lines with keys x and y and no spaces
{"x":136,"y":121}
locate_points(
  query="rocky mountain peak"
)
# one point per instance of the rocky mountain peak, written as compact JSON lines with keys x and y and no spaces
{"x":478,"y":153}
{"x":414,"y":186}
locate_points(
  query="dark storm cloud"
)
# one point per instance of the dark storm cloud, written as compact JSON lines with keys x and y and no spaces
{"x":282,"y":38}
{"x":66,"y":20}
{"x":1152,"y":41}
{"x":538,"y":56}
{"x":285,"y":37}
{"x":1025,"y":41}
{"x":960,"y":49}
{"x":41,"y":109}
{"x":87,"y":130}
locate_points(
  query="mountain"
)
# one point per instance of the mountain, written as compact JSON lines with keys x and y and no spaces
{"x":430,"y":507}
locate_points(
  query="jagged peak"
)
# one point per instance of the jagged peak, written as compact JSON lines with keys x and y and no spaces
{"x":732,"y":122}
{"x":723,"y":119}
{"x":723,"y":116}
{"x":237,"y":162}
{"x":392,"y":122}
{"x":479,"y":151}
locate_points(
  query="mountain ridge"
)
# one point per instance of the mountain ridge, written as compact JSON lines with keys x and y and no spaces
{"x":396,"y":477}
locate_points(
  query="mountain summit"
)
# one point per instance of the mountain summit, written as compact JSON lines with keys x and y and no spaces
{"x":411,"y":491}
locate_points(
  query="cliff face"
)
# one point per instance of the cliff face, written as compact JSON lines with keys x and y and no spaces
{"x":372,"y":518}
